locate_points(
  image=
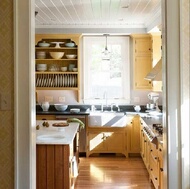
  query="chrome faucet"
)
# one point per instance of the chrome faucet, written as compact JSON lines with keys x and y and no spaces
{"x":106,"y":101}
{"x":116,"y":105}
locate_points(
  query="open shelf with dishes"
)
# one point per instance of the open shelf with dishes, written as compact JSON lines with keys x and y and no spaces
{"x":57,"y":80}
{"x":57,"y":62}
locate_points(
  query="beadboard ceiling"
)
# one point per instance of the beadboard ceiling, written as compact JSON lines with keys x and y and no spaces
{"x":97,"y":13}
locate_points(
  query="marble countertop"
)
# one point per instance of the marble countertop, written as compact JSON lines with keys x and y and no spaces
{"x":56,"y":135}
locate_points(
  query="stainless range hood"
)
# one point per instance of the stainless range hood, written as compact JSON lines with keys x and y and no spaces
{"x":156,"y":73}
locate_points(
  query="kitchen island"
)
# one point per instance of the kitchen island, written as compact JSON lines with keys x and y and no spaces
{"x":56,"y":155}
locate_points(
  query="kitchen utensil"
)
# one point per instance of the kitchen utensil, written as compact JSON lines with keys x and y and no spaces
{"x":60,"y":107}
{"x":137,"y":108}
{"x":56,"y":55}
{"x":57,"y":44}
{"x":70,"y":44}
{"x":71,"y":56}
{"x":45,"y":106}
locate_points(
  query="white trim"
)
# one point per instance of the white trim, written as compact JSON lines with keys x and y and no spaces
{"x":24,"y":98}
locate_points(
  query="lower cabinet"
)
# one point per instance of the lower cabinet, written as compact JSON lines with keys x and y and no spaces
{"x":154,"y":165}
{"x":56,"y":166}
{"x":134,"y":135}
{"x":161,"y":168}
{"x":152,"y":156}
{"x":106,"y":140}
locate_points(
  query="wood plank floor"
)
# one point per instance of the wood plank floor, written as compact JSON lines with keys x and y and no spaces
{"x":112,"y":173}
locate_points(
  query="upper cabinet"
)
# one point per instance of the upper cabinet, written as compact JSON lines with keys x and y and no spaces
{"x":156,"y":56}
{"x":142,"y":60}
{"x":57,"y":65}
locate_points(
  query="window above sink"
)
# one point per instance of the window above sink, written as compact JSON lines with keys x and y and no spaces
{"x":106,"y":76}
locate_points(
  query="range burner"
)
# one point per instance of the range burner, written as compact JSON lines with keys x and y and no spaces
{"x":158,"y":128}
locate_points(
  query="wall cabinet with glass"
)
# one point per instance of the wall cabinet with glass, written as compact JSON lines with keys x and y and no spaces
{"x":57,"y":62}
{"x":142,"y":60}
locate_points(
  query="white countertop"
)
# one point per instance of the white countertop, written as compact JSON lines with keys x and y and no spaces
{"x":54,"y":135}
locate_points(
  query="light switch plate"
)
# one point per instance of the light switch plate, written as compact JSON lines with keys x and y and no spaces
{"x":5,"y":101}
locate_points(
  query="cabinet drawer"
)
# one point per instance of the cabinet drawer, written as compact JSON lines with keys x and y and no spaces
{"x":45,"y":117}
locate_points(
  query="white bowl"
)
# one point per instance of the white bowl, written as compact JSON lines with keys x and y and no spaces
{"x":60,"y":107}
{"x":71,"y":56}
{"x":75,"y":110}
{"x":56,"y":55}
{"x":70,"y":44}
{"x":75,"y":69}
{"x":41,"y":69}
{"x":64,"y":69}
{"x":43,"y":44}
{"x":41,"y":65}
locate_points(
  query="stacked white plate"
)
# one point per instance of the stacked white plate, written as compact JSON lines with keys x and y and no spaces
{"x":41,"y":67}
{"x":40,"y":54}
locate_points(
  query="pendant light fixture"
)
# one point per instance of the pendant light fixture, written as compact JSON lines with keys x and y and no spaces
{"x":106,"y":54}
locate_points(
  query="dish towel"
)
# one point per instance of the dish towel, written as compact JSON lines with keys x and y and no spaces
{"x":81,"y":124}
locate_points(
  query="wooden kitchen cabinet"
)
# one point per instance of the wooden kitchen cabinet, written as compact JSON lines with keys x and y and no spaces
{"x":161,"y":166}
{"x":156,"y":56}
{"x":142,"y":60}
{"x":56,"y":166}
{"x":106,"y":140}
{"x":154,"y":166}
{"x":45,"y":117}
{"x":134,"y":135}
{"x":56,"y":79}
{"x":145,"y":149}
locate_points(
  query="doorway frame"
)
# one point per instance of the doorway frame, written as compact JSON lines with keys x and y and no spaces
{"x":24,"y":99}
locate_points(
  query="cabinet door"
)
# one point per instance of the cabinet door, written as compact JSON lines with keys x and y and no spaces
{"x":134,"y":146}
{"x":96,"y":141}
{"x":142,"y":66}
{"x":142,"y":46}
{"x":114,"y":141}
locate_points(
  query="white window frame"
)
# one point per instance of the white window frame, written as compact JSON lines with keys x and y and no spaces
{"x":125,"y":43}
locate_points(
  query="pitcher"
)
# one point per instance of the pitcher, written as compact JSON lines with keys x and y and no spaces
{"x":137,"y":108}
{"x":45,"y":106}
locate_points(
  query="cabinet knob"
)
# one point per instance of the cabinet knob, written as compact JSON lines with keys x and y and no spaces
{"x":155,"y":158}
{"x":156,"y":178}
{"x":161,"y":169}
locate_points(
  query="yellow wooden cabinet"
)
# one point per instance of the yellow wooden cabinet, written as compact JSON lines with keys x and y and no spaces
{"x":134,"y":135}
{"x":161,"y":168}
{"x":106,"y":140}
{"x":154,"y":165}
{"x":142,"y":60}
{"x":156,"y":56}
{"x":45,"y":117}
{"x":145,"y":149}
{"x":54,"y":78}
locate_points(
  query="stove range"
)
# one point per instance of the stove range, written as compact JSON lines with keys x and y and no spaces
{"x":153,"y":132}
